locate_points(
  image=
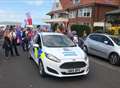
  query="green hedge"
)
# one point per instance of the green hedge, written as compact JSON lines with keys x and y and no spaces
{"x":80,"y":29}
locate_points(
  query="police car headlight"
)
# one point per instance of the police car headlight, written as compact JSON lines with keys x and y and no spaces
{"x":53,"y":58}
{"x":86,"y":57}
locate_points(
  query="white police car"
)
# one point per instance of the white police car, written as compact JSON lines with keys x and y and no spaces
{"x":57,"y":55}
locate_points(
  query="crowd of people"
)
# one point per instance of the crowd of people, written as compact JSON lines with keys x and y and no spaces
{"x":16,"y":36}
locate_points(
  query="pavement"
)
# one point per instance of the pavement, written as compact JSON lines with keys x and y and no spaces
{"x":21,"y":72}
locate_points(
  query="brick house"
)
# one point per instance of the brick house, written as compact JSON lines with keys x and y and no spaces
{"x":86,"y":12}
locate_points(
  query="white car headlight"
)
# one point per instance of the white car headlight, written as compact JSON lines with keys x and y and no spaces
{"x":53,"y":58}
{"x":86,"y":57}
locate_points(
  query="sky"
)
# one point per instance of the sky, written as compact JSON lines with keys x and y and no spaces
{"x":15,"y":10}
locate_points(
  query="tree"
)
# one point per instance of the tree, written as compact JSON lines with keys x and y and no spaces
{"x":81,"y":29}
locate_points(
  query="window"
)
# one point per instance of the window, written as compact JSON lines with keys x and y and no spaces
{"x":76,"y":1}
{"x":57,"y":41}
{"x":108,"y":40}
{"x":57,"y":5}
{"x":96,"y":38}
{"x":55,"y":16}
{"x":72,"y":14}
{"x":116,"y":40}
{"x":80,"y":12}
{"x":102,"y":39}
{"x":85,"y":12}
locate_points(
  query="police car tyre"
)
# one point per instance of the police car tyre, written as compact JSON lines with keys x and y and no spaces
{"x":30,"y":58}
{"x":114,"y":59}
{"x":41,"y":70}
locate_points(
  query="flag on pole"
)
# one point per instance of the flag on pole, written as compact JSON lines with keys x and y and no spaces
{"x":29,"y":19}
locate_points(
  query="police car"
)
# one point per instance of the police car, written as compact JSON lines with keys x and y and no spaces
{"x":56,"y":55}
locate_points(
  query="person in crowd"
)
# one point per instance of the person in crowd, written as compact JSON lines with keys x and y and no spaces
{"x":69,"y":34}
{"x":58,"y":29}
{"x":80,"y":42}
{"x":75,"y":39}
{"x":29,"y":34}
{"x":13,"y":39}
{"x":7,"y":45}
{"x":24,"y":40}
{"x":18,"y":36}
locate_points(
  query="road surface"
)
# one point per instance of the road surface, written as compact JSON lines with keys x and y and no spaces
{"x":20,"y":72}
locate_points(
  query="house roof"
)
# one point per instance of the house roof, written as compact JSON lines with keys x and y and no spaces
{"x":52,"y":12}
{"x":57,"y":20}
{"x":113,"y":12}
{"x":68,"y":4}
{"x":91,"y":4}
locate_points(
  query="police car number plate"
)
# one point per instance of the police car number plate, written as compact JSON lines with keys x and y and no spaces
{"x":74,"y":70}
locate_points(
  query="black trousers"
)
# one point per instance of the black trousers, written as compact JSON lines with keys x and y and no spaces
{"x":14,"y":47}
{"x":25,"y":44}
{"x":8,"y":50}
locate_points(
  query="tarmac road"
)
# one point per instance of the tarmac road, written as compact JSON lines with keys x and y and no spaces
{"x":20,"y":72}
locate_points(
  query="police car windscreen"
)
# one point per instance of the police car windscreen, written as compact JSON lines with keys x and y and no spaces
{"x":57,"y":41}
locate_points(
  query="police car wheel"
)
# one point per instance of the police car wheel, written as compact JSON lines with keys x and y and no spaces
{"x":30,"y":57}
{"x":41,"y":69}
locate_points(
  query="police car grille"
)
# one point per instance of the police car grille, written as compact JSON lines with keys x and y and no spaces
{"x":72,"y":65}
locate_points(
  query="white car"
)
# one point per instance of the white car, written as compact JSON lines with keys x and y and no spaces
{"x":62,"y":57}
{"x":103,"y":45}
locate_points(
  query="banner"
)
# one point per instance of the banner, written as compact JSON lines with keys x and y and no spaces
{"x":29,"y":19}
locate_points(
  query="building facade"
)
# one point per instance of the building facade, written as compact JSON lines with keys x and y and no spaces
{"x":85,"y":12}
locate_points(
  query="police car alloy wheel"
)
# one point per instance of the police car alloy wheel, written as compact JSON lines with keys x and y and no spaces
{"x":41,"y":69}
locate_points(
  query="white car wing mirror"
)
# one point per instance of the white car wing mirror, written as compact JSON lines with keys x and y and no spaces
{"x":106,"y":42}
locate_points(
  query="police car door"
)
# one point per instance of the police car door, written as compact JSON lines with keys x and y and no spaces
{"x":37,"y":41}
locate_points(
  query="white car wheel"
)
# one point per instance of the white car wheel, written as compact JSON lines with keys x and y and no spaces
{"x":114,"y":59}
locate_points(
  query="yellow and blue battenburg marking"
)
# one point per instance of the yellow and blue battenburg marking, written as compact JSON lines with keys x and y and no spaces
{"x":39,"y":53}
{"x":36,"y":52}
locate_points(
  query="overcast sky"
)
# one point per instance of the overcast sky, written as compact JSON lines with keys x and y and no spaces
{"x":15,"y":10}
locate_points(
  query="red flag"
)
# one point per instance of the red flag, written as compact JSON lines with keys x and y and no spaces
{"x":29,"y":20}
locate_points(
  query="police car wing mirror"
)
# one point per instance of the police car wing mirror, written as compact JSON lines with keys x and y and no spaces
{"x":35,"y":45}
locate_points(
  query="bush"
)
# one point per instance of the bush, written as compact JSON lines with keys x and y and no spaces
{"x":98,"y":29}
{"x":119,"y":31}
{"x":111,"y":32}
{"x":80,"y":29}
{"x":87,"y":29}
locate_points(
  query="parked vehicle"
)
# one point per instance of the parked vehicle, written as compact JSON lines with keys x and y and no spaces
{"x":103,"y":45}
{"x":58,"y":56}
